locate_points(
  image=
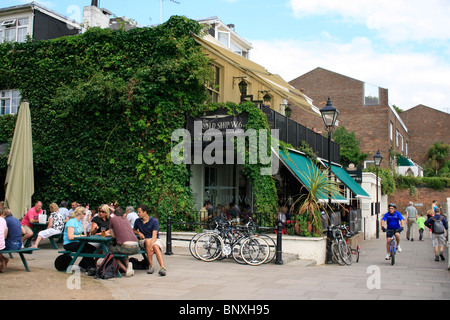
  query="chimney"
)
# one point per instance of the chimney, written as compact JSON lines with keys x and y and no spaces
{"x":94,"y":3}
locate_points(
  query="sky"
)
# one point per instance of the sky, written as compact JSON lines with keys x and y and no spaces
{"x":400,"y":45}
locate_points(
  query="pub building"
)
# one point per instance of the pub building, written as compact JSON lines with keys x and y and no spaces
{"x":220,"y":179}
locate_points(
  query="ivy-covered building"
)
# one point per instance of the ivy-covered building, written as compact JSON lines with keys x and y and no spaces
{"x":105,"y":105}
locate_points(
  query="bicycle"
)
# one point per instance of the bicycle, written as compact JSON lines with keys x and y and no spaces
{"x":340,"y":249}
{"x":227,"y":240}
{"x":393,"y":244}
{"x":347,"y":235}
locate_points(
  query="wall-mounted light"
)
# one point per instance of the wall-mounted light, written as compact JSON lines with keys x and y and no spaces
{"x":243,"y":87}
{"x":287,"y":109}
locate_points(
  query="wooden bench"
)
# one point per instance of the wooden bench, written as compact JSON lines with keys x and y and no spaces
{"x":21,"y":252}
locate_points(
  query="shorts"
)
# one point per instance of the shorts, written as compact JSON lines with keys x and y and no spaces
{"x":438,"y":240}
{"x":27,"y":229}
{"x":128,"y":250}
{"x":47,"y":233}
{"x":158,"y":242}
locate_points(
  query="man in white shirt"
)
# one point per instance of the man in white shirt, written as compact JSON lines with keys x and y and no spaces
{"x":131,"y":215}
{"x":63,"y":210}
{"x":411,"y":216}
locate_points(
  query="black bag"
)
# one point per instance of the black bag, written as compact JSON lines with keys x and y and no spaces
{"x":109,"y":267}
{"x":62,"y":262}
{"x":139,"y":265}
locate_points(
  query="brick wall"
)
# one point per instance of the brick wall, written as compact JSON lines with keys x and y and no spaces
{"x":425,"y":126}
{"x":369,"y":122}
{"x":423,"y":195}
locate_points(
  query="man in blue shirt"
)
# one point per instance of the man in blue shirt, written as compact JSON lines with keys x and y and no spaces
{"x":147,"y":229}
{"x":394,"y":222}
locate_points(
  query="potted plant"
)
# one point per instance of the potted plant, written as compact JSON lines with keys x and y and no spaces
{"x":308,"y":203}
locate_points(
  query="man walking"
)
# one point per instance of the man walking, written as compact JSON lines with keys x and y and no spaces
{"x":438,"y":225}
{"x":411,"y":219}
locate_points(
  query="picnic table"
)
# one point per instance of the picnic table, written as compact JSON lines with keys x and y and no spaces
{"x":101,"y":251}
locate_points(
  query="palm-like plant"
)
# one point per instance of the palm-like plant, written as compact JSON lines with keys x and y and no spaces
{"x":318,"y":187}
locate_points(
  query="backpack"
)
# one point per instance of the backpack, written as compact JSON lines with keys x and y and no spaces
{"x":438,"y":225}
{"x":108,"y":268}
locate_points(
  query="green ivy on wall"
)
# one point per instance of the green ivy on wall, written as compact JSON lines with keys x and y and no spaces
{"x":104,"y":105}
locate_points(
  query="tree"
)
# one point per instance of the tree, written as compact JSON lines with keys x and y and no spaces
{"x":350,"y":151}
{"x":437,"y":157}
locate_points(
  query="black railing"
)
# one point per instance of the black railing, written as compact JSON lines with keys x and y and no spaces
{"x":294,"y":133}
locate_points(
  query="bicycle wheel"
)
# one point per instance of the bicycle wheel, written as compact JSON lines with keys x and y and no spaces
{"x":208,"y":247}
{"x":254,"y":250}
{"x":272,"y":247}
{"x":335,"y":252}
{"x":346,"y":252}
{"x":236,"y":251}
{"x":194,"y":241}
{"x":392,"y":252}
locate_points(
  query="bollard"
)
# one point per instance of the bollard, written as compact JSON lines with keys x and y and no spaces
{"x":279,"y":259}
{"x":169,"y":237}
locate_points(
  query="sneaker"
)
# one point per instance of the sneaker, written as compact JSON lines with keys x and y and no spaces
{"x":130,"y":271}
{"x":150,"y":270}
{"x":442,"y":257}
{"x":399,"y":249}
{"x":387,"y":257}
{"x":162,"y":272}
{"x":436,"y":258}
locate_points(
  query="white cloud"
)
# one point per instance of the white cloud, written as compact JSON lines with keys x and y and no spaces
{"x":411,"y":78}
{"x":399,"y":20}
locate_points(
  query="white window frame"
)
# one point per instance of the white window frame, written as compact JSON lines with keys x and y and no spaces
{"x":9,"y":101}
{"x":19,"y":25}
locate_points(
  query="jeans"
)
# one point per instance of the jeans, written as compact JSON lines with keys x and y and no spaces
{"x":13,"y":245}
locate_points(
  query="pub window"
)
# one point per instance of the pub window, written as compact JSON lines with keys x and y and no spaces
{"x":214,"y":84}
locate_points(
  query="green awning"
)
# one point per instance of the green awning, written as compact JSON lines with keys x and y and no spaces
{"x":404,"y":162}
{"x":346,"y":179}
{"x":300,"y":166}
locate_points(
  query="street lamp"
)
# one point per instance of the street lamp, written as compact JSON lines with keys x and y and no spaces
{"x":377,"y":158}
{"x":329,"y":115}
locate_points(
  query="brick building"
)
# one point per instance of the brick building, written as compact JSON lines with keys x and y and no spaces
{"x":363,"y":108}
{"x":425,"y":126}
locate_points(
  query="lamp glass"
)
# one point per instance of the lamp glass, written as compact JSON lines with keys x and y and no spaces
{"x":329,"y":114}
{"x":243,"y":87}
{"x":377,"y":158}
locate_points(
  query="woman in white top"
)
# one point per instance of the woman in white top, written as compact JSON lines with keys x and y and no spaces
{"x":55,"y":225}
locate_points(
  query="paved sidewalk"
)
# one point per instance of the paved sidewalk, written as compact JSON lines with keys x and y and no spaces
{"x":414,"y":276}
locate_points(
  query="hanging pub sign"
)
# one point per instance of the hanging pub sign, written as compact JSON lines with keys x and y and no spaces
{"x":218,"y":120}
{"x":354,"y":172}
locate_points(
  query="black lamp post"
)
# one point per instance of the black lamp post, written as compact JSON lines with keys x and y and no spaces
{"x":329,"y":116}
{"x":377,"y":158}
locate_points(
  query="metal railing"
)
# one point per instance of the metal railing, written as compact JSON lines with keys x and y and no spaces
{"x":294,"y":133}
